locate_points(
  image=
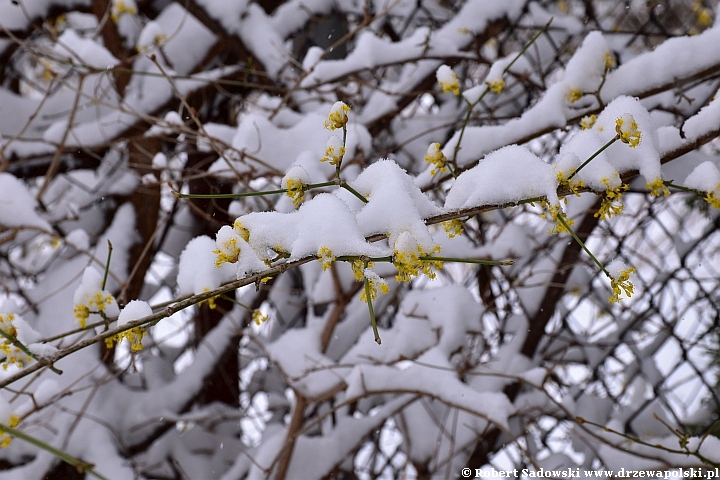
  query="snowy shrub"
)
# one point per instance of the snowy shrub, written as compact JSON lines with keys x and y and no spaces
{"x":332,"y":239}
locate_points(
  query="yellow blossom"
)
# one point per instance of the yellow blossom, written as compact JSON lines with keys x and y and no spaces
{"x":406,"y":258}
{"x":496,"y":86}
{"x":229,"y":253}
{"x":259,"y":317}
{"x":437,"y":158}
{"x":657,"y":187}
{"x":609,"y":61}
{"x":558,"y":217}
{"x":95,"y":304}
{"x":574,"y":184}
{"x":326,"y":257}
{"x":241,"y":230}
{"x":574,"y":95}
{"x":447,"y":80}
{"x":337,"y":118}
{"x":334,"y":151}
{"x":627,"y":130}
{"x":122,"y":7}
{"x":9,"y":352}
{"x":82,"y":312}
{"x":5,"y":438}
{"x":620,"y":282}
{"x":611,"y":205}
{"x":134,"y":336}
{"x":704,"y":17}
{"x":588,"y":122}
{"x":210,"y":301}
{"x":712,"y":199}
{"x":453,"y":228}
{"x":295,"y":190}
{"x":357,"y":267}
{"x":375,"y":283}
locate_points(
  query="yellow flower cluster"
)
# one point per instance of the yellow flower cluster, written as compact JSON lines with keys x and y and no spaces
{"x":326,"y":257}
{"x":436,"y":158}
{"x":11,"y":352}
{"x":95,"y":304}
{"x":228,"y":252}
{"x":120,"y":8}
{"x":375,"y":283}
{"x":702,"y":14}
{"x":241,"y":230}
{"x":358,"y":267}
{"x":334,"y":151}
{"x":134,"y":336}
{"x":337,"y":118}
{"x":410,"y":265}
{"x":295,"y":190}
{"x":657,"y":187}
{"x":157,"y":40}
{"x":259,"y":317}
{"x":609,"y":61}
{"x":558,"y":216}
{"x":453,"y":228}
{"x":447,"y":80}
{"x":496,"y":86}
{"x":627,"y":130}
{"x":611,"y":205}
{"x":5,"y":439}
{"x":574,"y":95}
{"x":210,"y":301}
{"x":712,"y":199}
{"x":587,"y":122}
{"x":573,"y":185}
{"x":622,"y":282}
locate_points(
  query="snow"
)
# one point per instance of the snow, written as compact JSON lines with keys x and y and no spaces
{"x":326,"y":221}
{"x":395,"y":205}
{"x":697,"y":125}
{"x":17,"y":206}
{"x":92,"y":299}
{"x":531,"y":177}
{"x":72,"y":47}
{"x":705,"y":177}
{"x":615,"y":268}
{"x":311,"y":373}
{"x":450,"y":345}
{"x":134,"y":310}
{"x":377,"y":379}
{"x":197,"y":272}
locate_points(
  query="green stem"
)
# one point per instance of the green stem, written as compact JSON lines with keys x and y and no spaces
{"x":580,"y":242}
{"x":227,"y":195}
{"x":472,"y":105}
{"x":462,"y":130}
{"x":354,"y":192}
{"x":347,"y":258}
{"x":309,"y":186}
{"x":373,"y":321}
{"x":602,"y":149}
{"x":497,"y":263}
{"x":532,"y":40}
{"x":80,"y":466}
{"x":686,"y":451}
{"x":107,"y":265}
{"x":25,"y":350}
{"x":684,"y":189}
{"x":337,"y":167}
